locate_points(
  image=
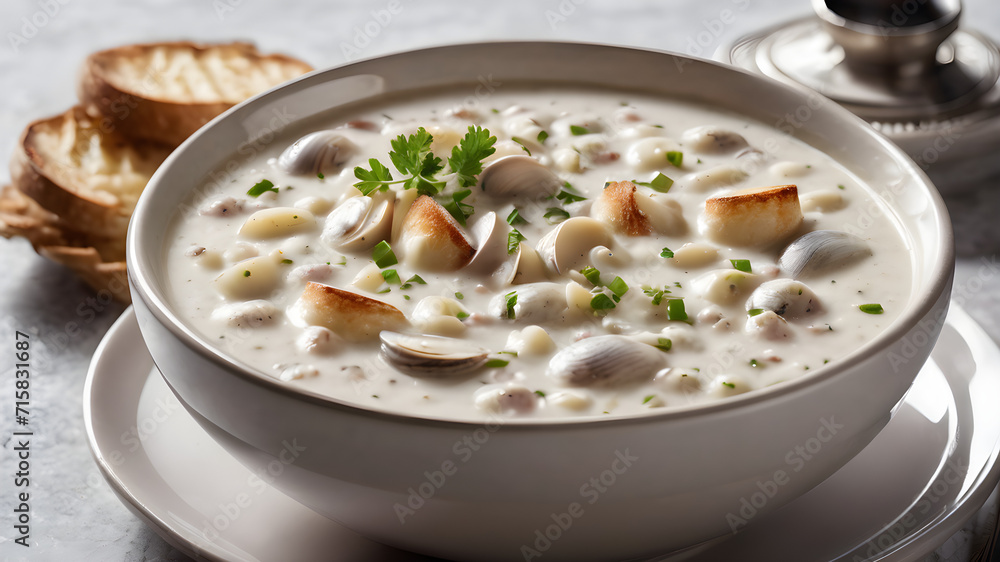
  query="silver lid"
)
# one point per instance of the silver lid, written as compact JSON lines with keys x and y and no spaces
{"x":903,"y":66}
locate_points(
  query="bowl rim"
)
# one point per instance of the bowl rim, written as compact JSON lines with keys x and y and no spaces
{"x":143,"y":286}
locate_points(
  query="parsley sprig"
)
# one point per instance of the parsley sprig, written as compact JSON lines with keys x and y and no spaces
{"x":411,"y":156}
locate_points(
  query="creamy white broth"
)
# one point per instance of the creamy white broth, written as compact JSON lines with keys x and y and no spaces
{"x":711,"y":356}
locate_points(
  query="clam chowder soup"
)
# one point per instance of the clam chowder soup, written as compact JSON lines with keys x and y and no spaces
{"x":545,"y":253}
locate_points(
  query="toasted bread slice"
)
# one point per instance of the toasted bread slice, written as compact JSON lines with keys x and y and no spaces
{"x":754,"y":217}
{"x":102,"y":267}
{"x":163,"y":92}
{"x":89,"y":178}
{"x":351,"y":316}
{"x":432,"y":239}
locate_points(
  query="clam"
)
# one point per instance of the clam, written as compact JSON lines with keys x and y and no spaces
{"x":432,"y":240}
{"x":360,"y":222}
{"x":490,"y":236}
{"x":821,"y":250}
{"x":787,"y":298}
{"x":536,"y":303}
{"x":321,"y":152}
{"x":568,"y":245}
{"x":518,"y":176}
{"x":431,"y":356}
{"x":710,"y":139}
{"x":753,"y":217}
{"x":523,"y":266}
{"x":351,"y":316}
{"x":605,"y":361}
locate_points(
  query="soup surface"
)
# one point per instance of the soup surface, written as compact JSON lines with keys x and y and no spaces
{"x":539,"y":252}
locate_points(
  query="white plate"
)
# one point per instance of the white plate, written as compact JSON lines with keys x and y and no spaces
{"x":913,"y":487}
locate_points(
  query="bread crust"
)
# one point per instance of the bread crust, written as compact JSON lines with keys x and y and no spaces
{"x":753,"y":217}
{"x":146,"y":115}
{"x":352,"y":316}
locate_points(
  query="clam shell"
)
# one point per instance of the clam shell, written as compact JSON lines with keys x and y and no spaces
{"x":321,"y":152}
{"x":604,"y":361}
{"x":431,"y":356}
{"x":787,"y":298}
{"x":537,"y":303}
{"x":490,"y":235}
{"x":821,"y":250}
{"x":359,"y":223}
{"x":568,"y":245}
{"x":518,"y":176}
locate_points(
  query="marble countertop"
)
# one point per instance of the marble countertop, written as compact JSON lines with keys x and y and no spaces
{"x":76,"y":516}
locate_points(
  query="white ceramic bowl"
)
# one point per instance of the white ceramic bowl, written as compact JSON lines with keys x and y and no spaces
{"x":589,"y":489}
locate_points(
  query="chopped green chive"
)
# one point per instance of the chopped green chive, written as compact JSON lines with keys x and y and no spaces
{"x":577,"y":130}
{"x":496,"y":363}
{"x":601,"y":301}
{"x":320,"y":175}
{"x":462,"y":315}
{"x":754,"y":363}
{"x":416,"y":279}
{"x":664,"y":344}
{"x":514,"y":353}
{"x":391,"y":277}
{"x":514,"y":239}
{"x":569,"y":197}
{"x":383,"y":255}
{"x":511,"y":303}
{"x":730,"y":385}
{"x":515,"y":218}
{"x":286,"y":261}
{"x":840,"y":186}
{"x":592,"y":275}
{"x":675,"y":310}
{"x":343,"y":261}
{"x":555,"y":215}
{"x":659,"y":183}
{"x":648,"y":398}
{"x":741,"y":265}
{"x":873,"y":308}
{"x":675,"y":158}
{"x":619,"y":287}
{"x":386,"y":290}
{"x":754,"y":311}
{"x":667,"y":253}
{"x":521,"y":142}
{"x":542,"y":135}
{"x":406,"y":297}
{"x":540,"y":393}
{"x":261,"y":187}
{"x":459,"y":296}
{"x":246,"y":273}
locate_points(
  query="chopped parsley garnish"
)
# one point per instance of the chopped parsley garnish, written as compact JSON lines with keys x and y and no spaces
{"x":619,"y":287}
{"x":496,"y":363}
{"x":262,"y":187}
{"x":664,"y":344}
{"x":648,"y":398}
{"x":741,"y":265}
{"x":754,"y":363}
{"x":539,"y":392}
{"x":568,"y":196}
{"x":521,"y":142}
{"x":659,"y":183}
{"x":555,"y":215}
{"x":592,"y":275}
{"x":577,"y":130}
{"x":601,"y":301}
{"x":732,"y":385}
{"x":514,"y":239}
{"x":675,"y":310}
{"x":343,"y":261}
{"x":246,"y":273}
{"x":459,"y":296}
{"x":383,"y":255}
{"x":656,"y":294}
{"x":320,"y":175}
{"x":416,"y":279}
{"x":542,"y":135}
{"x":515,"y":218}
{"x":511,"y":301}
{"x":391,"y":277}
{"x":456,"y":208}
{"x":840,"y":186}
{"x":287,"y":261}
{"x":667,"y":253}
{"x":873,"y":308}
{"x":754,"y":312}
{"x":412,"y":157}
{"x":514,"y":353}
{"x":462,"y":315}
{"x":675,"y":158}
